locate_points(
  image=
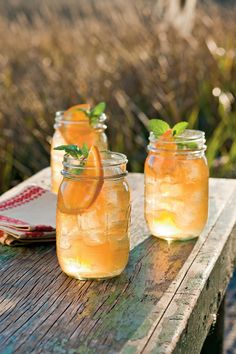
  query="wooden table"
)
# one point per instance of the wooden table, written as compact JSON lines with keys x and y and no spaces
{"x":164,"y":302}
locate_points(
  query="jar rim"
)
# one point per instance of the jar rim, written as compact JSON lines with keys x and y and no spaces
{"x":60,"y":118}
{"x":190,"y":141}
{"x":113,"y":159}
{"x":188,"y":135}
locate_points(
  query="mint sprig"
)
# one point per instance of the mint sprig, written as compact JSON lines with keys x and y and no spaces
{"x":179,"y":128}
{"x":160,"y":127}
{"x":95,"y":113}
{"x":78,"y":153}
{"x":75,"y":151}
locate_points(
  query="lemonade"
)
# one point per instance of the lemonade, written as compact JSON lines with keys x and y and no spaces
{"x":93,"y":215}
{"x":74,"y":127}
{"x":176,"y":185}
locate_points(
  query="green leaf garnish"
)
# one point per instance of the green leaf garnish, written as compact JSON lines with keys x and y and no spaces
{"x":75,"y":151}
{"x":85,"y":150}
{"x":158,"y":127}
{"x":95,"y":113}
{"x":179,"y":128}
{"x":187,"y":145}
{"x":192,"y":145}
{"x":98,"y":109}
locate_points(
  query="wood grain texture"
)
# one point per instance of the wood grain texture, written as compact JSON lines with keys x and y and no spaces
{"x":157,"y":305}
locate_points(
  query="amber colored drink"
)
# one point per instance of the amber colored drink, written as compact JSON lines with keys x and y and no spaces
{"x":176,"y":187}
{"x":74,"y":129}
{"x":93,"y":217}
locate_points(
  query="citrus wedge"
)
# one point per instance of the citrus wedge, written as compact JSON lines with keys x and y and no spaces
{"x":77,"y":130}
{"x":77,"y":195}
{"x":166,"y":142}
{"x":75,"y":113}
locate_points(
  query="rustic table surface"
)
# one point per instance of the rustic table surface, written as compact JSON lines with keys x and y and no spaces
{"x":164,"y":302}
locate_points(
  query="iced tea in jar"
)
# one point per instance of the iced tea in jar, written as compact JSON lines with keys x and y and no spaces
{"x":176,"y":182}
{"x":79,"y":124}
{"x":93,"y":215}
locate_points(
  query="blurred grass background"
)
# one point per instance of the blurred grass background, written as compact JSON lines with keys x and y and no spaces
{"x":57,"y":53}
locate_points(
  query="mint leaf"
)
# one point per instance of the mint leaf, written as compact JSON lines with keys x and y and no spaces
{"x":69,"y":149}
{"x":158,"y":127}
{"x":78,"y":171}
{"x":80,"y":154}
{"x":179,"y":128}
{"x":187,"y":146}
{"x":93,"y":120}
{"x":64,"y":147}
{"x":85,"y":150}
{"x":96,"y":113}
{"x":74,"y":150}
{"x":191,"y":145}
{"x":98,"y":109}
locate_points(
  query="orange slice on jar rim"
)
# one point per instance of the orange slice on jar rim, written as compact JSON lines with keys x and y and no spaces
{"x":166,"y":142}
{"x":77,"y":195}
{"x":76,"y":128}
{"x":76,"y":113}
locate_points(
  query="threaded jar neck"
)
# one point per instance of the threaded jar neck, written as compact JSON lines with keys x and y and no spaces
{"x":113,"y":166}
{"x":190,"y":142}
{"x":62,"y":120}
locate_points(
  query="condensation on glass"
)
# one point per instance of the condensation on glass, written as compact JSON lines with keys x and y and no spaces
{"x":74,"y":132}
{"x":94,"y":243}
{"x":176,"y":186}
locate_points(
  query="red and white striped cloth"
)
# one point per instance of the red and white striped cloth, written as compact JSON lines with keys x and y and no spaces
{"x":28,"y":217}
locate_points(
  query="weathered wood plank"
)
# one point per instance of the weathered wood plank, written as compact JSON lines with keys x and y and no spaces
{"x":201,"y":292}
{"x":218,"y":203}
{"x":44,"y":311}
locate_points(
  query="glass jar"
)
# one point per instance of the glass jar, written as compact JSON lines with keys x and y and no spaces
{"x":73,"y":132}
{"x":93,"y":243}
{"x":176,"y":186}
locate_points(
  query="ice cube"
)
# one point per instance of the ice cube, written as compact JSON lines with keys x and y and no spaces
{"x":92,"y":219}
{"x":185,"y":217}
{"x":95,"y":237}
{"x":118,"y":221}
{"x":176,"y":206}
{"x":171,"y":190}
{"x":69,"y":226}
{"x":151,"y":188}
{"x":119,"y":232}
{"x":169,"y":187}
{"x":112,"y":198}
{"x":93,"y":226}
{"x":69,"y":230}
{"x":64,"y":243}
{"x":192,"y":169}
{"x":198,"y":196}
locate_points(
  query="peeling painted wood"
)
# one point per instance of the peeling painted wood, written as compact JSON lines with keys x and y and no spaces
{"x":164,"y":302}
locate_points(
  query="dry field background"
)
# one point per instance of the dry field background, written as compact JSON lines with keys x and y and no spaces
{"x":56,"y":53}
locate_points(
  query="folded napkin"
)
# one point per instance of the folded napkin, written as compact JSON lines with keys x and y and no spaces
{"x":28,"y":217}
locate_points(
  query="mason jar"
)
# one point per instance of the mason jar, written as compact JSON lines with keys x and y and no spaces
{"x":68,"y":131}
{"x":93,"y":216}
{"x":176,"y":186}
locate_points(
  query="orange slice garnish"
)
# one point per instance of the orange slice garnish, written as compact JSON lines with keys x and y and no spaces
{"x":77,"y":195}
{"x":75,"y":113}
{"x":166,"y":142}
{"x":77,"y":130}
